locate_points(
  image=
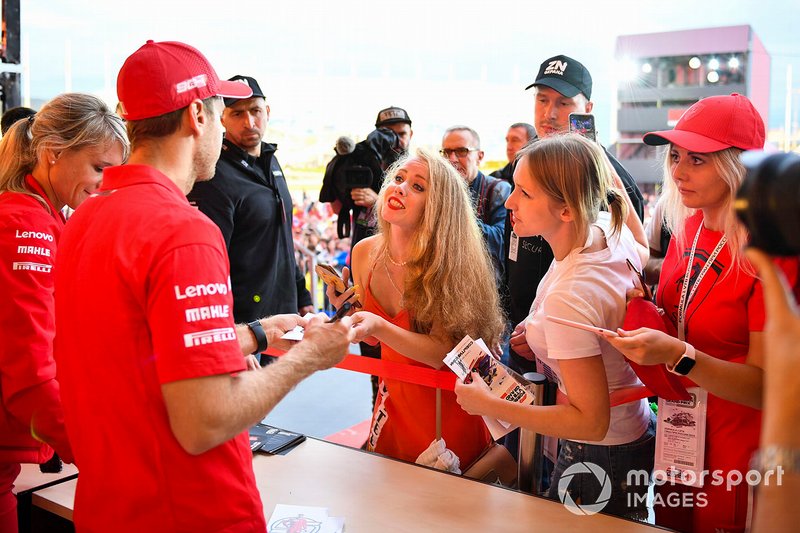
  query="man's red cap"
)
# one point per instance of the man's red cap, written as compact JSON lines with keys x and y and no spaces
{"x":713,"y":124}
{"x":159,"y":78}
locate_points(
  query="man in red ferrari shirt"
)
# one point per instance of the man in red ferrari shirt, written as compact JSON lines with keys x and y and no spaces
{"x":156,"y":396}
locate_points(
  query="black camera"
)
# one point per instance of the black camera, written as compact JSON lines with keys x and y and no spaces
{"x":357,"y":176}
{"x":768,"y":202}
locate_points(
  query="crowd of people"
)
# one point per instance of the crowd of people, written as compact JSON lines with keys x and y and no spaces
{"x":180,"y":266}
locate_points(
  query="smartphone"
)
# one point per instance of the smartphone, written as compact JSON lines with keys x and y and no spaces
{"x":585,"y":327}
{"x":583,"y":124}
{"x":331,"y":276}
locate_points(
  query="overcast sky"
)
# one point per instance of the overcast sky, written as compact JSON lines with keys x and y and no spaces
{"x":327,"y":67}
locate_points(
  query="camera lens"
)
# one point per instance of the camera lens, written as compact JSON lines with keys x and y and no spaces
{"x":768,"y":202}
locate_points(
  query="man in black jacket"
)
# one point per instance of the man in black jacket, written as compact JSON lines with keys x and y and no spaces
{"x":562,"y":86}
{"x":249,"y":200}
{"x":519,"y":134}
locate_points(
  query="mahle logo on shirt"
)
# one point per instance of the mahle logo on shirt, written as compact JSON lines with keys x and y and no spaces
{"x":209,"y":311}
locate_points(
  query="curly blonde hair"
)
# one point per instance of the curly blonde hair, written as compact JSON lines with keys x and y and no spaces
{"x":449,"y":278}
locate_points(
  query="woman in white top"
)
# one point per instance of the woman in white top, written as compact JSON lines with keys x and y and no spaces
{"x":561,"y":184}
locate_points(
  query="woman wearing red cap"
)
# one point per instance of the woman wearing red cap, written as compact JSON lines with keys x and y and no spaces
{"x":51,"y":160}
{"x":710,"y":292}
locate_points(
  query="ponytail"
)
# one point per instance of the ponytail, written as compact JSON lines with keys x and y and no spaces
{"x":618,"y":208}
{"x":17,"y":158}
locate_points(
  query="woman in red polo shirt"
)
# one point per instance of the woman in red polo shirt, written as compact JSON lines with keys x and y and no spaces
{"x":710,"y":292}
{"x":51,"y":160}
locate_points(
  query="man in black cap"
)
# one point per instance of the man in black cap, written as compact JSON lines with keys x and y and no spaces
{"x":562,"y":86}
{"x":364,"y":224}
{"x":249,"y":200}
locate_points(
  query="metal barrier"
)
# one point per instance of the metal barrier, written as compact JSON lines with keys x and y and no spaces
{"x":313,"y":290}
{"x":529,"y":474}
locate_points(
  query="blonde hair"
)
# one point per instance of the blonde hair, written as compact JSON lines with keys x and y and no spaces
{"x":731,"y":171}
{"x":449,"y":278}
{"x":68,"y":122}
{"x":573,"y":171}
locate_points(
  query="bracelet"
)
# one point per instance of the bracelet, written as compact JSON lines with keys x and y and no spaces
{"x":772,"y":458}
{"x":260,"y":335}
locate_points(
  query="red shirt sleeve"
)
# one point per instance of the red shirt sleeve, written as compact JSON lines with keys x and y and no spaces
{"x":190,"y":312}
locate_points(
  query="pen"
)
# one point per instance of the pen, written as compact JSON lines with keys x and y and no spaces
{"x":341,"y":312}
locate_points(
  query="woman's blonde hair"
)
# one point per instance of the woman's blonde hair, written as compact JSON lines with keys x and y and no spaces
{"x":731,"y":171}
{"x":573,"y":171}
{"x":68,"y":122}
{"x":449,"y":278}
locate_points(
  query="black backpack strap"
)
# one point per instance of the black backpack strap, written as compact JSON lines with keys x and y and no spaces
{"x":343,"y":223}
{"x":485,"y":197}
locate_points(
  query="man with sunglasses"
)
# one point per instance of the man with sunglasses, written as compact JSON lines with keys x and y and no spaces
{"x":461,"y":146}
{"x":249,"y":200}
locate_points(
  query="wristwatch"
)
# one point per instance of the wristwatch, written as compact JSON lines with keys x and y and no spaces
{"x":261,"y":336}
{"x":686,"y":363}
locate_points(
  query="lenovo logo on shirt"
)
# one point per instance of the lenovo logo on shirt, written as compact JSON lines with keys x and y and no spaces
{"x":208,"y":289}
{"x":209,"y":336}
{"x":34,"y":235}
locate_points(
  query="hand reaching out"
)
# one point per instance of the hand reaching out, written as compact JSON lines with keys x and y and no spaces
{"x":324,"y":343}
{"x":647,"y":346}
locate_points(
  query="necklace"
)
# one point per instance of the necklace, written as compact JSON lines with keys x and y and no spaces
{"x":389,"y":275}
{"x":395,"y":263}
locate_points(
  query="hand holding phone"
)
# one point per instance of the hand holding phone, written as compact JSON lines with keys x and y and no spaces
{"x":585,"y":327}
{"x":583,"y":124}
{"x":330,"y":276}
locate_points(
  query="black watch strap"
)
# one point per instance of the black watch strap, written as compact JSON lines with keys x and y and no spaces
{"x":261,"y":336}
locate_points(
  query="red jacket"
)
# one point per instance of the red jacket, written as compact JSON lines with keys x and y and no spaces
{"x":30,"y":404}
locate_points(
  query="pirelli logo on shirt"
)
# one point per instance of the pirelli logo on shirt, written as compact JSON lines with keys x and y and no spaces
{"x":209,"y":336}
{"x":35,"y":267}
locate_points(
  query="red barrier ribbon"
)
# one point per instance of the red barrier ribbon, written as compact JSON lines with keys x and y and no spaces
{"x":416,"y":375}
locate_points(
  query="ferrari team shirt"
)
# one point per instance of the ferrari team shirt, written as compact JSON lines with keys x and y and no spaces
{"x":144,"y":299}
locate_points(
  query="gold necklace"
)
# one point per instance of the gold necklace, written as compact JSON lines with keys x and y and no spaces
{"x":389,"y":275}
{"x":395,"y":263}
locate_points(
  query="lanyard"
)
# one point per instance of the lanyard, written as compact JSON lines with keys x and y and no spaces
{"x":684,"y":301}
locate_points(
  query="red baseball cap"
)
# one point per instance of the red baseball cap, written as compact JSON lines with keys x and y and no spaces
{"x":713,"y":124}
{"x":159,"y":78}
